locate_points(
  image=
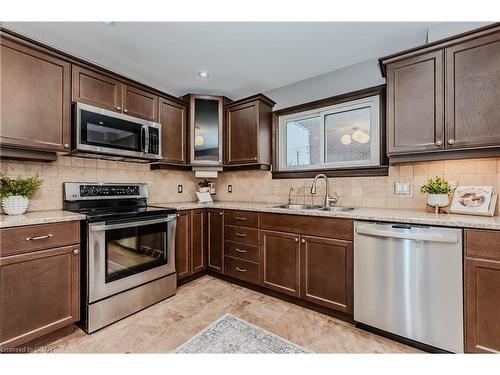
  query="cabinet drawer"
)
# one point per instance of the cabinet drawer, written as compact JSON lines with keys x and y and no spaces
{"x":37,"y":237}
{"x":311,"y":225}
{"x":243,"y":270}
{"x":482,"y":244}
{"x":243,"y":251}
{"x":241,"y":234}
{"x":242,"y":218}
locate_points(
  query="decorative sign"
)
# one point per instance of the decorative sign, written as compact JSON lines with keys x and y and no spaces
{"x":473,"y":200}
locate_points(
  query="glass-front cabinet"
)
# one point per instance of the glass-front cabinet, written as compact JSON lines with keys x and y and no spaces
{"x":205,"y":129}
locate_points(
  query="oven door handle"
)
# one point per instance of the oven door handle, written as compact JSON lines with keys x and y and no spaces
{"x":131,"y":224}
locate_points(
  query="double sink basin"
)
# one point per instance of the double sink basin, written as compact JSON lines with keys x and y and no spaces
{"x":309,"y":207}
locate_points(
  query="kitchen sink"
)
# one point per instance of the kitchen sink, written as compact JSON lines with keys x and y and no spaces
{"x":336,"y":209}
{"x":290,"y":206}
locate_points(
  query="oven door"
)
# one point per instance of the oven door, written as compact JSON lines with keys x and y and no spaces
{"x":125,"y":254}
{"x":106,"y":132}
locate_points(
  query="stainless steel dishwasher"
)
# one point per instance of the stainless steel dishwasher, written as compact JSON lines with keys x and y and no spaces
{"x":408,"y":281}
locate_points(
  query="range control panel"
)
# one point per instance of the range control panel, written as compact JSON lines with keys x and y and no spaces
{"x":108,"y":190}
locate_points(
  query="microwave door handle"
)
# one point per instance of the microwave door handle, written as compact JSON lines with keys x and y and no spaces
{"x":131,"y":224}
{"x":146,"y":141}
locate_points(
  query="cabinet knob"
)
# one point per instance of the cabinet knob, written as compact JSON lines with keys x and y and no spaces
{"x":255,"y":158}
{"x":118,"y":108}
{"x":125,"y":110}
{"x":66,"y":145}
{"x":451,"y":141}
{"x":439,"y":143}
{"x":297,"y":239}
{"x":303,"y":241}
{"x":76,"y":251}
{"x":220,"y":213}
{"x":178,"y":215}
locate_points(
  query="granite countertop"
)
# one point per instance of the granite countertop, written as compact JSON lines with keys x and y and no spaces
{"x":38,"y":217}
{"x":372,"y":214}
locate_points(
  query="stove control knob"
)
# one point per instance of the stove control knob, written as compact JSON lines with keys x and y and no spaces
{"x":84,"y":191}
{"x":93,"y":190}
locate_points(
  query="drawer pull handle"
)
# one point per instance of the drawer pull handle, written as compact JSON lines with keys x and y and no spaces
{"x":39,"y":237}
{"x":241,"y":234}
{"x":241,"y":250}
{"x":241,"y":269}
{"x":240,"y":218}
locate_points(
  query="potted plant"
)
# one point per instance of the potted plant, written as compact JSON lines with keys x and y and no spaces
{"x":15,"y":193}
{"x":438,"y":190}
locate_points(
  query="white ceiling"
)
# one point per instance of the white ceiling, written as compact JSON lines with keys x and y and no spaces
{"x":242,"y":58}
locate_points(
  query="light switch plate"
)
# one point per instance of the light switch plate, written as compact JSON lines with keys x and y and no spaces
{"x":179,"y":189}
{"x":402,"y":188}
{"x":229,"y":188}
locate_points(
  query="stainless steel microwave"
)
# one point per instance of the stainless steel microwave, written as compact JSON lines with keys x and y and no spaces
{"x":98,"y":131}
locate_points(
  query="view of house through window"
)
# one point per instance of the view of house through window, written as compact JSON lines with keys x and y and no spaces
{"x":337,"y":136}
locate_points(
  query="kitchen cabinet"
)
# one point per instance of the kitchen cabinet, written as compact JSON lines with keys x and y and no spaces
{"x":198,"y":240}
{"x":108,"y":92}
{"x":248,"y":131}
{"x":281,"y":262}
{"x":39,"y":285}
{"x":415,"y":104}
{"x":36,"y":97}
{"x":183,"y":265}
{"x":215,"y":242}
{"x":442,"y":99}
{"x":327,"y":272}
{"x":482,"y":291}
{"x":473,"y":93}
{"x":172,"y":117}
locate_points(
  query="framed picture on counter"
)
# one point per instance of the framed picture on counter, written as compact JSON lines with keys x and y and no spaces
{"x":473,"y":200}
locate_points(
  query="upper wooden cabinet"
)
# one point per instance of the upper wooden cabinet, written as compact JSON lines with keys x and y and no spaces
{"x":473,"y":93}
{"x":35,"y":97}
{"x":415,"y":104}
{"x":172,"y":117}
{"x":248,"y":132}
{"x":442,"y":99}
{"x":96,"y":89}
{"x":108,"y":92}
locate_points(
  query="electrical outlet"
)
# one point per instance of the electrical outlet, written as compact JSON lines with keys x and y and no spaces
{"x":179,"y":189}
{"x":402,"y":188}
{"x":229,"y":188}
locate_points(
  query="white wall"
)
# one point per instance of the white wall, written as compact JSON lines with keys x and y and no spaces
{"x":353,"y":77}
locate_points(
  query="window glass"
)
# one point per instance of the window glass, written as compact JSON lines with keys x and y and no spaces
{"x":302,"y":142}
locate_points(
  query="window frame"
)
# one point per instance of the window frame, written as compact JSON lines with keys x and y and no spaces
{"x":357,"y":99}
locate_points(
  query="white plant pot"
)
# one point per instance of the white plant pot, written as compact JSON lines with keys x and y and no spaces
{"x":439,"y":200}
{"x":15,"y":205}
{"x":204,"y":189}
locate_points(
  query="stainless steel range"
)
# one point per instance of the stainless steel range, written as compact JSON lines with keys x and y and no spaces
{"x":128,"y":250}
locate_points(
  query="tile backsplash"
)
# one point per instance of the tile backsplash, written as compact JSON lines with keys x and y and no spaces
{"x":255,"y":186}
{"x":258,"y":186}
{"x":162,"y":184}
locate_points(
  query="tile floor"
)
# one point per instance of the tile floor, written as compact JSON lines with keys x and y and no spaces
{"x":165,"y":326}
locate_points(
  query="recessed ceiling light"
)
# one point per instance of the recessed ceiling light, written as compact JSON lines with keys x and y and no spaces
{"x":108,"y":23}
{"x":203,"y":74}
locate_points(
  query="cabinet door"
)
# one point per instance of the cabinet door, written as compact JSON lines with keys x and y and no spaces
{"x":482,"y":306}
{"x":281,"y":262}
{"x":183,"y":244}
{"x":39,"y":293}
{"x":327,"y":272}
{"x":172,"y":117}
{"x":36,"y":99}
{"x":215,"y":221}
{"x":473,"y":93}
{"x":415,"y":104}
{"x":140,"y":103}
{"x":198,"y":240}
{"x":96,"y":89}
{"x":242,"y":134}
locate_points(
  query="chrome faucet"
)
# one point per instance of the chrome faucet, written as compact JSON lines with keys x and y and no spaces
{"x":333,"y":199}
{"x":290,"y":195}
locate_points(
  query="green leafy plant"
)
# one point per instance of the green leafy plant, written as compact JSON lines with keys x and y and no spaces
{"x":437,"y":186}
{"x":25,"y":187}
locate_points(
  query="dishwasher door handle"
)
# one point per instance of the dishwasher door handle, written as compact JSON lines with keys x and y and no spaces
{"x":431,"y":237}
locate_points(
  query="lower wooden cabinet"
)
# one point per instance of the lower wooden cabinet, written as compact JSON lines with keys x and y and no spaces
{"x":327,"y":272}
{"x":190,"y":243}
{"x":215,"y":242}
{"x":39,"y":290}
{"x":281,"y":262}
{"x":482,"y":291}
